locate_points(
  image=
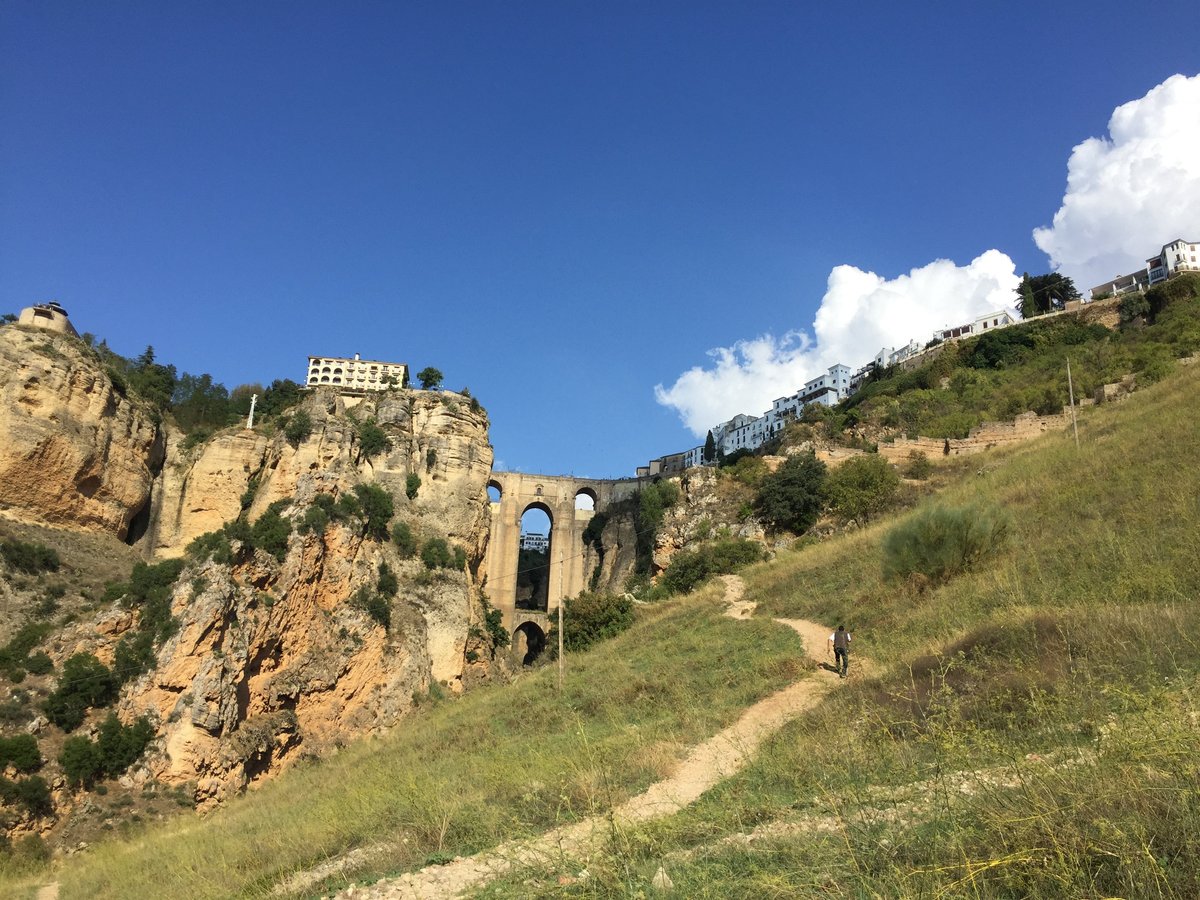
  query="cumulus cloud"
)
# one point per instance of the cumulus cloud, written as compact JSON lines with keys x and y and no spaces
{"x":1132,"y":192}
{"x":860,"y":313}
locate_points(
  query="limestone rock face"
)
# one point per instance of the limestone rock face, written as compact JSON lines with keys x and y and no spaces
{"x":709,"y":505}
{"x":274,"y":660}
{"x":74,"y":452}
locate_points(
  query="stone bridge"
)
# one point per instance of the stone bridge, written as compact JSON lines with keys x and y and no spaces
{"x":570,"y":504}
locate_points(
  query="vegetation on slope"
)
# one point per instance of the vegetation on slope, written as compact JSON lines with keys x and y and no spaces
{"x":1031,"y":730}
{"x":462,"y":776}
{"x":999,"y":375}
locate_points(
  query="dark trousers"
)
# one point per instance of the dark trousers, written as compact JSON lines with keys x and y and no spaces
{"x":841,"y":660}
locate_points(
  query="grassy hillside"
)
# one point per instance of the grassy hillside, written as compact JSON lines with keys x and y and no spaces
{"x":1035,"y":723}
{"x":1030,"y":726}
{"x":996,"y":376}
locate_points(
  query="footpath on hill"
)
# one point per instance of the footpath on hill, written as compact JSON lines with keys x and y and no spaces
{"x":704,"y":766}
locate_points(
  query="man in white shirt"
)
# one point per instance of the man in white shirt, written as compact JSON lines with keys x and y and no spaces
{"x":839,"y":646}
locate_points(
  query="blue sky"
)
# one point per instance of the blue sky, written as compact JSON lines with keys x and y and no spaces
{"x":559,"y":205}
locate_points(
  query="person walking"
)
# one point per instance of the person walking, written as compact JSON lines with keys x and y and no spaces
{"x":839,"y":646}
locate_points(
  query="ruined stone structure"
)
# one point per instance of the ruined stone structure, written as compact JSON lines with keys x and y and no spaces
{"x":570,"y":504}
{"x":49,"y":316}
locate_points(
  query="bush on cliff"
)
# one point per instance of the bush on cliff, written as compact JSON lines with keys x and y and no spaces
{"x":20,"y":752}
{"x":690,"y":567}
{"x":591,"y":618}
{"x":117,"y":747}
{"x":31,"y":559}
{"x":863,"y":487}
{"x":33,"y":793}
{"x":793,"y":496}
{"x":85,"y":682}
{"x":377,"y":510}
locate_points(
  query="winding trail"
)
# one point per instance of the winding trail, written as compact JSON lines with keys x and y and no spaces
{"x":705,"y":765}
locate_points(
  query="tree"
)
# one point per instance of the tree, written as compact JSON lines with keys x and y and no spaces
{"x":1041,"y":294}
{"x":430,"y":378}
{"x":710,"y":448}
{"x":412,"y":484}
{"x":377,"y":510}
{"x":792,"y":497}
{"x":8,"y":318}
{"x":298,"y":427}
{"x":862,"y":487}
{"x":372,"y":439}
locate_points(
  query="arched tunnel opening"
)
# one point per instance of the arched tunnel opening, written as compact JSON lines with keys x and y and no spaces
{"x":529,"y":642}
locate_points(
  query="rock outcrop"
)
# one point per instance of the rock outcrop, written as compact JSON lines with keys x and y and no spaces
{"x":76,"y":452}
{"x":276,"y":659}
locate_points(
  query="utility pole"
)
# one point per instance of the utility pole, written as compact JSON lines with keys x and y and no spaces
{"x":1071,"y":394}
{"x":560,"y":646}
{"x":253,"y":400}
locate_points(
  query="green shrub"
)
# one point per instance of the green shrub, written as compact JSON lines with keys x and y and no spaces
{"x":493,"y":623}
{"x":117,"y":747}
{"x":793,"y":496}
{"x":80,"y":761}
{"x":919,"y":467}
{"x":84,"y":682}
{"x":14,"y":656}
{"x":271,"y":533}
{"x":33,"y":793}
{"x":411,"y":485}
{"x":939,"y":542}
{"x":862,"y":487}
{"x":121,"y":745}
{"x":315,"y":520}
{"x":689,"y":567}
{"x":28,"y":558}
{"x":404,"y":539}
{"x":39,"y":663}
{"x":387,"y":585}
{"x":21,"y":752}
{"x":298,"y":427}
{"x":376,"y":606}
{"x":377,"y":510}
{"x":590,"y":618}
{"x":133,"y":656}
{"x":372,"y":440}
{"x":149,"y":591}
{"x":436,"y":554}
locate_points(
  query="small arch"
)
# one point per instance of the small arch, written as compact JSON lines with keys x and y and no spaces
{"x":585,"y":500}
{"x":538,"y":491}
{"x":495,"y":491}
{"x":528,"y":642}
{"x":324,"y":379}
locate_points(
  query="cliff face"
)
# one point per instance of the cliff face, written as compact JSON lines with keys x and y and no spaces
{"x":75,"y":452}
{"x":272,"y":658}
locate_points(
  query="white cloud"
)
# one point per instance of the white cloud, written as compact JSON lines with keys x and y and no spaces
{"x":859,"y":313}
{"x":1132,"y":192}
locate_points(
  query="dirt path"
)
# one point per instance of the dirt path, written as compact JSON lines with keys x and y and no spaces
{"x":708,"y":763}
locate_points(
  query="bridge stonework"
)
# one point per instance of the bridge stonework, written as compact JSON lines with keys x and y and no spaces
{"x":556,"y":496}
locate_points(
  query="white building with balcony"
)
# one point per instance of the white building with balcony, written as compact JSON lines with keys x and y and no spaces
{"x":355,"y":374}
{"x":1175,"y":257}
{"x":532,"y":540}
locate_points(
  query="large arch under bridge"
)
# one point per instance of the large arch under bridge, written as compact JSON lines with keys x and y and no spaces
{"x":569,"y":503}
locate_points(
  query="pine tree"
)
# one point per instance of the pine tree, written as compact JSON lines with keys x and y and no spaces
{"x":710,"y":448}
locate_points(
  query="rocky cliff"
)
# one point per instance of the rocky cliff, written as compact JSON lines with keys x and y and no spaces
{"x":75,"y":452}
{"x":280,"y":652}
{"x":274,"y":656}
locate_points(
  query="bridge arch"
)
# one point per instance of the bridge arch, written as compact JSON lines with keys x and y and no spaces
{"x":512,"y":494}
{"x":529,"y":642}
